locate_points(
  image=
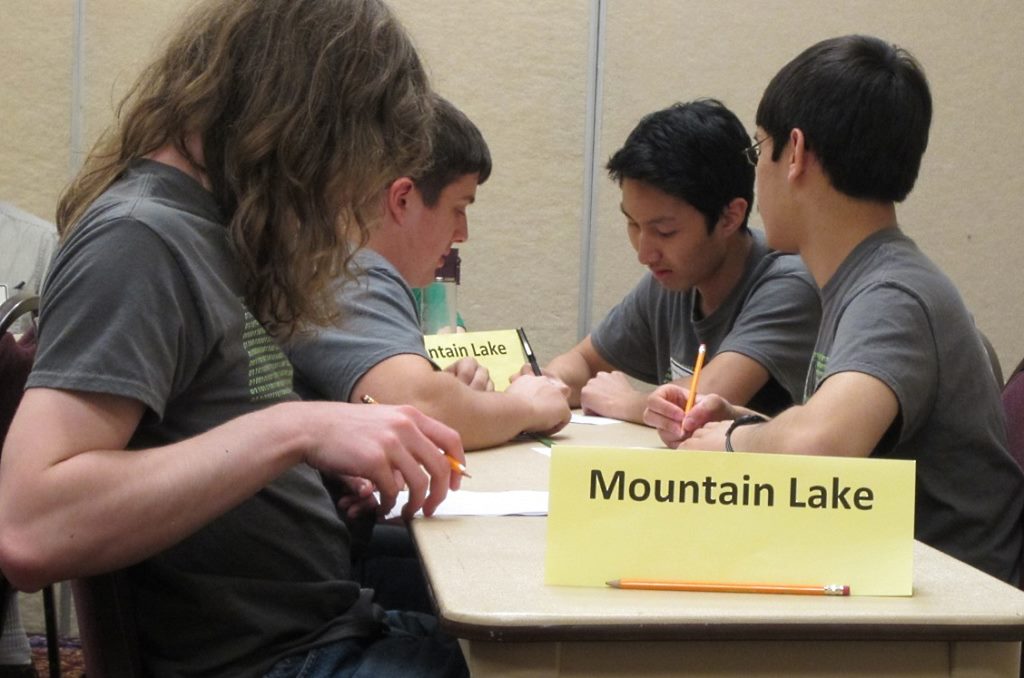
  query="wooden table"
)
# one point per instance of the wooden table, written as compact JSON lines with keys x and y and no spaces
{"x":487,"y":578}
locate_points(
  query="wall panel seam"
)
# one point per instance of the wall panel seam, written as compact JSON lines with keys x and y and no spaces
{"x":588,"y":227}
{"x":77,"y":120}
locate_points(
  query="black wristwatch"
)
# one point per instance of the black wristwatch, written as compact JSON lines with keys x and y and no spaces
{"x":745,"y":420}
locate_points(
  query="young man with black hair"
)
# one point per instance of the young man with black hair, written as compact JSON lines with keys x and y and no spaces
{"x":377,"y":348}
{"x":687,"y":190}
{"x":899,"y":368}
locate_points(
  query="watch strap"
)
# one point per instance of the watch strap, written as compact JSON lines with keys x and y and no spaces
{"x":745,"y":420}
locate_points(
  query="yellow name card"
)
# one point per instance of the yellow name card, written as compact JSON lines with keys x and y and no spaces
{"x":631,"y":513}
{"x":500,"y":351}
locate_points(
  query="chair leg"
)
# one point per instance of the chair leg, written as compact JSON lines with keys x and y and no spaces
{"x":64,"y":606}
{"x":52,"y":639}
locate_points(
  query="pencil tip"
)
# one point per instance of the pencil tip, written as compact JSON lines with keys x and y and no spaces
{"x":614,"y":583}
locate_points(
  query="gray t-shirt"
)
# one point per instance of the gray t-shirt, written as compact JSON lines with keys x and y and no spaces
{"x":378,"y":321}
{"x":890,"y":312}
{"x":143,"y":301}
{"x":770,"y":316}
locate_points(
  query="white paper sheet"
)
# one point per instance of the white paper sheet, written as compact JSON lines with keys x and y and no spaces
{"x":593,"y":419}
{"x":470,"y":503}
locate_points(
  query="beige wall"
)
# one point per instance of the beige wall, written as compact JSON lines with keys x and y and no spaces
{"x":35,"y":102}
{"x":521,"y":71}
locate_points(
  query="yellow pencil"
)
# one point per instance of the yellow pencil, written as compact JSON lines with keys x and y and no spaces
{"x":452,"y":461}
{"x":723,"y":587}
{"x":695,"y":379}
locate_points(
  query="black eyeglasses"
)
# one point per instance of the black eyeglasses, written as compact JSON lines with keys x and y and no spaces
{"x":752,"y":153}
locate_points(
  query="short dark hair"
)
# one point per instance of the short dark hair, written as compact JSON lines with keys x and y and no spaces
{"x":458,"y":149}
{"x":864,"y":108}
{"x":692,"y":151}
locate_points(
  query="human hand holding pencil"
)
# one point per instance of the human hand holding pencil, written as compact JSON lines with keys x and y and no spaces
{"x":677,"y":412}
{"x":394,"y":448}
{"x":455,"y":464}
{"x":668,"y":405}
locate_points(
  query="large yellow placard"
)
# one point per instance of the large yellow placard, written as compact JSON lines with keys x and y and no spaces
{"x":629,"y":513}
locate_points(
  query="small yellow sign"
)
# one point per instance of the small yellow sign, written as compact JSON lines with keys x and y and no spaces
{"x":631,"y":513}
{"x":500,"y":351}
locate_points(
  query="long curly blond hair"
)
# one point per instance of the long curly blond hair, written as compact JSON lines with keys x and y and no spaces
{"x":305,"y":109}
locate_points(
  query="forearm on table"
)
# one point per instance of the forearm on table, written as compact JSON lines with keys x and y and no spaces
{"x":795,"y":431}
{"x":634,"y":405}
{"x":612,"y":395}
{"x":847,"y":416}
{"x":578,"y":366}
{"x":734,"y":376}
{"x":482,"y":418}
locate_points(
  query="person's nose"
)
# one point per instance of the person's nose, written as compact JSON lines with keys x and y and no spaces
{"x":461,"y":233}
{"x":647,"y":252}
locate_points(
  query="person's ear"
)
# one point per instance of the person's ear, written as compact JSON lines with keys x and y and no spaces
{"x":398,"y":195}
{"x":796,"y":154}
{"x":732,"y":216}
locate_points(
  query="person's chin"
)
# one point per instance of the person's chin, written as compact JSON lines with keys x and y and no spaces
{"x":665,"y":278}
{"x":421,"y":280}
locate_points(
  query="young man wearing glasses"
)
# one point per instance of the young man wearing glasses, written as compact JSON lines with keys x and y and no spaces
{"x":686,"y":175}
{"x":899,"y":368}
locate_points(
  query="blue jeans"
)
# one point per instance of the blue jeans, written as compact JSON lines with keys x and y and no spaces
{"x":414,"y":647}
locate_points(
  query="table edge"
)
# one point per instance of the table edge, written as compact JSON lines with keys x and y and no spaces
{"x":635,"y":631}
